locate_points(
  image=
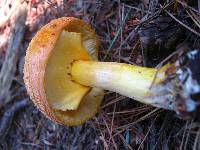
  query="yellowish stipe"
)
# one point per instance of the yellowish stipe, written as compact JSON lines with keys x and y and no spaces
{"x":63,"y":93}
{"x":128,"y":80}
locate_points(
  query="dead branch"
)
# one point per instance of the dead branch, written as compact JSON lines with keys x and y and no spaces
{"x":7,"y":118}
{"x":9,"y":65}
{"x":4,"y":19}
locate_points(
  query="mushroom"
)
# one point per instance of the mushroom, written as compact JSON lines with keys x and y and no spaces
{"x":66,"y":82}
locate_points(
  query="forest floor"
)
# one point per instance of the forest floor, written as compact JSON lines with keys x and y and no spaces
{"x":140,"y":32}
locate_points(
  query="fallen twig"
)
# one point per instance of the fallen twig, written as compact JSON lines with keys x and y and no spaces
{"x":7,"y":118}
{"x":9,"y":65}
{"x":4,"y":19}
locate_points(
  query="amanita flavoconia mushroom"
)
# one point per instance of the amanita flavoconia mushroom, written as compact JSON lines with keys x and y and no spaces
{"x":65,"y":80}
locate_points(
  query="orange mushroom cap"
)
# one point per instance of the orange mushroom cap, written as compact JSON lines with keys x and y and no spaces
{"x":47,"y":71}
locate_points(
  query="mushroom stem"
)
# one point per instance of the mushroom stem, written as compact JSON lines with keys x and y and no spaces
{"x":128,"y":80}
